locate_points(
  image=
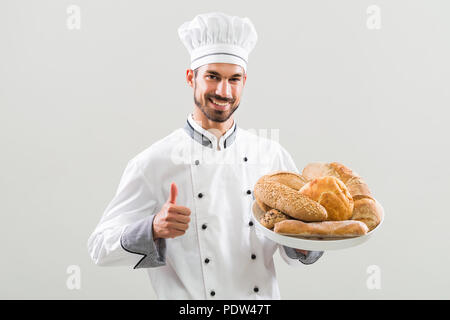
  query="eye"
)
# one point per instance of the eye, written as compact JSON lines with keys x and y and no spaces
{"x":211,"y":76}
{"x":235,"y":79}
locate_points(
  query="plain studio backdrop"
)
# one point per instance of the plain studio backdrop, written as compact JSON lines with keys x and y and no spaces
{"x":364,"y":83}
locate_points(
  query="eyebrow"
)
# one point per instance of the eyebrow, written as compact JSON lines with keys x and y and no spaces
{"x":218,"y":74}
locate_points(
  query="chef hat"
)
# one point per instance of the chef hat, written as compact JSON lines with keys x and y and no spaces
{"x":218,"y":38}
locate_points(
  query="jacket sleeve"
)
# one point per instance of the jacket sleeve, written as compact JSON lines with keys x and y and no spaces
{"x":289,"y":255}
{"x":124,"y":235}
{"x":294,"y":258}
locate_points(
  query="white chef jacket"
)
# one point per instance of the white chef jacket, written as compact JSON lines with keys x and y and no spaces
{"x":222,"y":255}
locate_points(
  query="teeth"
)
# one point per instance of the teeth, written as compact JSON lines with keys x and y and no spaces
{"x":219,"y":103}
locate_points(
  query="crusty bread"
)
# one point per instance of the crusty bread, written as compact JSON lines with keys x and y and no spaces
{"x":331,"y":193}
{"x":288,"y":200}
{"x":271,"y":217}
{"x":347,"y":228}
{"x":290,"y":179}
{"x":264,"y":207}
{"x":368,"y":211}
{"x":355,"y":184}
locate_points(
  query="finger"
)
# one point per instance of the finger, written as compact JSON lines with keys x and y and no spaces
{"x":180,"y":209}
{"x":173,"y":193}
{"x":177,"y":225}
{"x":176,"y":233}
{"x":173,"y":216}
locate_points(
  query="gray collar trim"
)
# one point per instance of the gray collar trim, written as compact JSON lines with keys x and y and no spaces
{"x":200,"y":138}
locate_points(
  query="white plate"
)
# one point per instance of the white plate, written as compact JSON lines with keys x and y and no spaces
{"x":311,"y":244}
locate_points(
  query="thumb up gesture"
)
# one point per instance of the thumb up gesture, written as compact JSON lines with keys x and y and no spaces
{"x":172,"y":220}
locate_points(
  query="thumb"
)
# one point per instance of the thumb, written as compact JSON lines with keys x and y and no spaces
{"x":173,"y":193}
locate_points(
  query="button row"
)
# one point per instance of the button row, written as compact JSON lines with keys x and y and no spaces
{"x":213,"y":293}
{"x":197,"y":162}
{"x":200,"y":195}
{"x":204,"y":226}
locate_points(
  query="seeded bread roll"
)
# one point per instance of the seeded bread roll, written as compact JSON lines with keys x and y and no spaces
{"x":347,"y":228}
{"x":288,"y":200}
{"x":271,"y":217}
{"x":290,"y":179}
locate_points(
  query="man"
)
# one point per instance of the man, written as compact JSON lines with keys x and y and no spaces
{"x":183,"y":206}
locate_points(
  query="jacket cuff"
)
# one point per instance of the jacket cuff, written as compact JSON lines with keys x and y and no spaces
{"x":137,"y":238}
{"x":309,"y":258}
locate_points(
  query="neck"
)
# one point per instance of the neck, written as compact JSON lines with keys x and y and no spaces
{"x":218,"y":128}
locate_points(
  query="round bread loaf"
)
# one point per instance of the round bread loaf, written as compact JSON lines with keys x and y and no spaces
{"x":332,"y":194}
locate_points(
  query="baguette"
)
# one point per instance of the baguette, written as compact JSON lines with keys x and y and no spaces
{"x":288,"y":200}
{"x":346,"y":228}
{"x":290,"y":179}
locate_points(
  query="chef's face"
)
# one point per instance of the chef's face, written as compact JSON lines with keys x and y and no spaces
{"x":217,"y":89}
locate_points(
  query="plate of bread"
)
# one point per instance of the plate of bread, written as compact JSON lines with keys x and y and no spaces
{"x":326,"y":207}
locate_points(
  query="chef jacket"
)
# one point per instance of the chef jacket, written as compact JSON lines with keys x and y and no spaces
{"x":222,"y":254}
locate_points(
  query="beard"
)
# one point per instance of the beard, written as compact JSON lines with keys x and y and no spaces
{"x":214,"y":114}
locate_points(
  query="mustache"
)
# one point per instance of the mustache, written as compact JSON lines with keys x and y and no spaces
{"x":221,"y":99}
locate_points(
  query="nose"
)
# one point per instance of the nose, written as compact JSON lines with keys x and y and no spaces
{"x":224,"y":89}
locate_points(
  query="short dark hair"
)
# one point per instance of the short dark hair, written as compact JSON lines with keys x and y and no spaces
{"x":195,"y":73}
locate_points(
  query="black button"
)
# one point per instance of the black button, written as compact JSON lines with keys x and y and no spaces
{"x":250,"y":223}
{"x":245,"y":159}
{"x":255,"y":289}
{"x":204,"y":226}
{"x":249,"y":192}
{"x":213,"y":293}
{"x":206,"y":260}
{"x":253,"y":256}
{"x":200,"y":195}
{"x":197,"y":162}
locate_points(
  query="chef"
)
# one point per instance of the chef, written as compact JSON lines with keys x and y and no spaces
{"x":183,"y":207}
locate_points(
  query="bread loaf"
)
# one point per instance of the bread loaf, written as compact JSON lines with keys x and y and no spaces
{"x":290,"y":179}
{"x":332,"y":194}
{"x":288,"y":200}
{"x":355,"y":184}
{"x":365,"y":207}
{"x":368,"y":211}
{"x":347,"y":228}
{"x":262,"y":205}
{"x":271,"y":217}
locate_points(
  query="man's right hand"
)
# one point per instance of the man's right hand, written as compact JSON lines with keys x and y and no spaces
{"x":172,"y":221}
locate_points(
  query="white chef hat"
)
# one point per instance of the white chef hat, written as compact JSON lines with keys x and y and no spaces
{"x":218,"y":38}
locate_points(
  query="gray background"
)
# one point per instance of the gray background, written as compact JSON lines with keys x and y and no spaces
{"x":76,"y":105}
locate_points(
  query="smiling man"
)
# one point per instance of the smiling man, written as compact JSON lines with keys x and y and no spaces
{"x":183,"y":208}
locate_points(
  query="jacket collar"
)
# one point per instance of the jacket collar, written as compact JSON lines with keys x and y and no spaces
{"x":208,"y":139}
